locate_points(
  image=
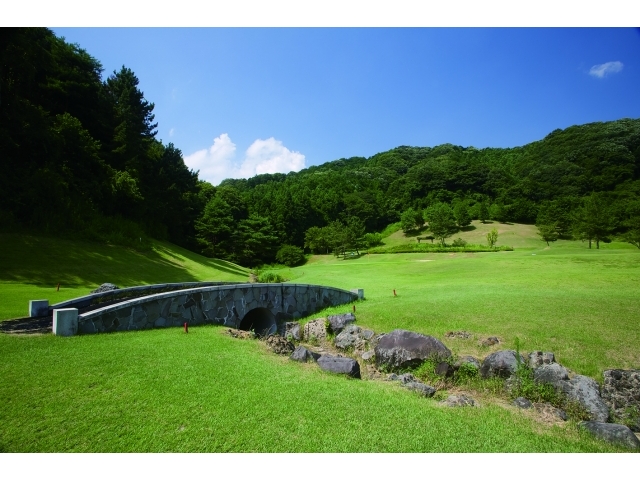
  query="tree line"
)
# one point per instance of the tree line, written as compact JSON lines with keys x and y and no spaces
{"x":80,"y":154}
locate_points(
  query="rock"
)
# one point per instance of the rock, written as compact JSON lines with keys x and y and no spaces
{"x":443,"y":369}
{"x":368,"y":334}
{"x":240,"y":333}
{"x":292,"y":331}
{"x":302,"y":354}
{"x":467,"y":359}
{"x":315,"y":330}
{"x":280,"y":345}
{"x":490,"y":341}
{"x":553,"y":373}
{"x":538,"y":358}
{"x":621,"y":393}
{"x":421,"y":388}
{"x":342,"y":365}
{"x":349,"y":337}
{"x":460,"y":334}
{"x":613,"y":433}
{"x":548,"y":410}
{"x":368,"y":355}
{"x":522,"y":402}
{"x":502,"y":363}
{"x":401,"y":349}
{"x":585,"y":390}
{"x":337,"y":323}
{"x":105,"y":287}
{"x":459,"y":401}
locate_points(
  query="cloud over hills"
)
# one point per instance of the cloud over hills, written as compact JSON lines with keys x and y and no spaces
{"x":263,"y":156}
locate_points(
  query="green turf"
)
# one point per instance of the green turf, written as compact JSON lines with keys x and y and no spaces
{"x":32,"y":267}
{"x":162,"y":390}
{"x":166,"y":391}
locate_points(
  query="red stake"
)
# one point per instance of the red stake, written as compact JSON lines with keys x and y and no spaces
{"x":394,"y":292}
{"x":186,"y":327}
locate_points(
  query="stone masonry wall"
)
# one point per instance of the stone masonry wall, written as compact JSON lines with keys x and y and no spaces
{"x":222,"y":305}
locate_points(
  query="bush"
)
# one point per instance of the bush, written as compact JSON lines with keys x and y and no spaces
{"x":270,"y":277}
{"x":373,"y":239}
{"x":458,"y":242}
{"x":290,"y":255}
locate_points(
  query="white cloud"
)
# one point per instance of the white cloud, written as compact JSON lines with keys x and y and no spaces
{"x":263,"y":156}
{"x":605,"y":69}
{"x":171,"y":132}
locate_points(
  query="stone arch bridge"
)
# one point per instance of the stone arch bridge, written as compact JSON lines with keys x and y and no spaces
{"x":262,"y":307}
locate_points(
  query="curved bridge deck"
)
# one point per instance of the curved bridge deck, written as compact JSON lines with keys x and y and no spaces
{"x":270,"y":305}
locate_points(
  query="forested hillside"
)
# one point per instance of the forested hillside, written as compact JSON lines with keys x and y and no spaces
{"x":80,"y":153}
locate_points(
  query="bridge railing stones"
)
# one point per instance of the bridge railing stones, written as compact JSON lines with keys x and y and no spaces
{"x":222,"y":304}
{"x":91,"y":299}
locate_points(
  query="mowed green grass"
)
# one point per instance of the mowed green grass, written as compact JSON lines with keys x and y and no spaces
{"x":167,"y":391}
{"x":32,"y":267}
{"x":163,"y":390}
{"x":581,"y":304}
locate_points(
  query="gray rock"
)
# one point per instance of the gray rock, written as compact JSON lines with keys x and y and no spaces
{"x":548,"y":409}
{"x":368,"y":334}
{"x":292,"y":331}
{"x":280,"y":345}
{"x":621,"y":393}
{"x":459,"y":401}
{"x":315,"y":329}
{"x":402,"y":348}
{"x":467,"y":359}
{"x":368,"y":355}
{"x":502,"y":363}
{"x":421,"y":388}
{"x":337,"y":323}
{"x":302,"y":354}
{"x":522,"y":402}
{"x":105,"y":287}
{"x":553,"y":373}
{"x":585,"y":390}
{"x":539,"y":358}
{"x":490,"y":341}
{"x":444,"y":369}
{"x":341,"y":365}
{"x":613,"y":433}
{"x":349,"y":337}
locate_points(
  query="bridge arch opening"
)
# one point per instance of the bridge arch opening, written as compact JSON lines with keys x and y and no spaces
{"x":261,"y":321}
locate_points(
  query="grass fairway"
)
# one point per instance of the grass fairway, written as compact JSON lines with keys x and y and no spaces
{"x":166,"y":391}
{"x":31,"y":268}
{"x":163,"y":390}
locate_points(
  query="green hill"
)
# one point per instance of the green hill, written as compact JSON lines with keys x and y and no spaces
{"x":33,"y":266}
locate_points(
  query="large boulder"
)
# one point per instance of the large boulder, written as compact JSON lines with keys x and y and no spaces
{"x":402,"y":349}
{"x":552,"y":373}
{"x":538,"y":358}
{"x":337,"y":323}
{"x":621,"y":392}
{"x":585,"y":391}
{"x":302,"y":354}
{"x":502,"y":363}
{"x":315,"y":330}
{"x":342,"y":365}
{"x":613,"y":433}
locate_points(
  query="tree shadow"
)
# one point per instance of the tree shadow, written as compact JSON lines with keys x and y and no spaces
{"x":468,"y":228}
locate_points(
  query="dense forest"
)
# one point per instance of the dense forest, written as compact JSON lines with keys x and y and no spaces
{"x":79,"y":154}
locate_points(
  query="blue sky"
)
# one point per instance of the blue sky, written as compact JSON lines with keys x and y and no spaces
{"x":241,"y":101}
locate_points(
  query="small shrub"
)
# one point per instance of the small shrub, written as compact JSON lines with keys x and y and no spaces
{"x":270,"y":277}
{"x":372,"y":239}
{"x":459,"y":242}
{"x":290,"y":255}
{"x":465,"y":372}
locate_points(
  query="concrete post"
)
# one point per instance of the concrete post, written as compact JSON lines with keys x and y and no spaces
{"x":65,"y":321}
{"x":38,"y":308}
{"x":359,"y":291}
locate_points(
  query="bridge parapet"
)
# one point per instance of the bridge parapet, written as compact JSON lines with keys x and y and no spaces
{"x":222,"y":305}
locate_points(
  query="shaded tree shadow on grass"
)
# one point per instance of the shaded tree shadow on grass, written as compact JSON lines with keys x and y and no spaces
{"x":468,"y":228}
{"x":49,"y":261}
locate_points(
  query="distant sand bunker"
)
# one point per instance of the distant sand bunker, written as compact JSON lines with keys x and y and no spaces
{"x":425,"y":260}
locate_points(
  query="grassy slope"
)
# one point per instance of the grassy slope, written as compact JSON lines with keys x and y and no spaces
{"x":31,"y":267}
{"x":207,"y":392}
